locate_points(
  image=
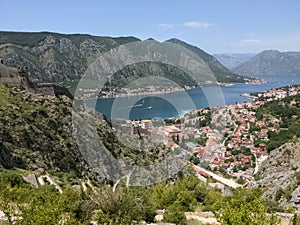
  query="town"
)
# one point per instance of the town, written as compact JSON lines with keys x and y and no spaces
{"x":89,"y":89}
{"x":229,"y":140}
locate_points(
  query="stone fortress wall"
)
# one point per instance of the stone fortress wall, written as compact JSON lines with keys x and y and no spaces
{"x":19,"y":78}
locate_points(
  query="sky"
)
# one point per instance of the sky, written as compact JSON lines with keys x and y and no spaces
{"x":216,"y":26}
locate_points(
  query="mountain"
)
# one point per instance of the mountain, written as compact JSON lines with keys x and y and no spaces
{"x":221,"y":73}
{"x":271,"y":62}
{"x":53,"y":57}
{"x":232,"y":60}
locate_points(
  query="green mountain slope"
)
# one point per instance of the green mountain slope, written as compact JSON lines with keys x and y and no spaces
{"x":63,"y":57}
{"x":37,"y":132}
{"x":287,"y":112}
{"x":55,"y":57}
{"x":221,"y":73}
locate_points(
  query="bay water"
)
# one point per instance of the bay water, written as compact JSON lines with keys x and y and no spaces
{"x":178,"y":103}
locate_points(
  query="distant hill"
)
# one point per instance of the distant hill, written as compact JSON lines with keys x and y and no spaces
{"x":271,"y":62}
{"x":221,"y":73}
{"x":53,"y":57}
{"x":232,"y":60}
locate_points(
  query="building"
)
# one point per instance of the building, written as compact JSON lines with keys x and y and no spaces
{"x":146,"y":124}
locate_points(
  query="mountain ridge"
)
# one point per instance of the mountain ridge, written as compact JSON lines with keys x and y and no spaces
{"x":271,"y":62}
{"x":221,"y":73}
{"x":54,"y":57}
{"x":232,"y":60}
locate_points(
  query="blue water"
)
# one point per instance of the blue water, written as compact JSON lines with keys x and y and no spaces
{"x":178,"y":103}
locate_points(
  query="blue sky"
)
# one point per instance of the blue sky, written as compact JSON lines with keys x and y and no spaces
{"x":216,"y":26}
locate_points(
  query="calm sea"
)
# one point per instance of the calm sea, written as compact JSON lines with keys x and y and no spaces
{"x":178,"y":103}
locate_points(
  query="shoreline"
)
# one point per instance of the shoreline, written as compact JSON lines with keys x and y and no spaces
{"x":177,"y":89}
{"x":248,"y":98}
{"x":156,"y":92}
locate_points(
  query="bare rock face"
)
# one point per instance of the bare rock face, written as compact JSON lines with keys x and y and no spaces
{"x":66,"y":46}
{"x":296,"y":196}
{"x":48,"y":43}
{"x":280,"y":175}
{"x":31,"y":179}
{"x":14,"y":77}
{"x":89,"y":47}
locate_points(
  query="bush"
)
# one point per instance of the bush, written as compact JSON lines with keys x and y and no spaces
{"x":12,"y":179}
{"x":175,"y":215}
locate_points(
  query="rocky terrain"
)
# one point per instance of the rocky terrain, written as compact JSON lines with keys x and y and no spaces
{"x":38,"y":131}
{"x":232,"y":60}
{"x":280,"y":175}
{"x":271,"y":62}
{"x":53,"y":57}
{"x":32,"y":127}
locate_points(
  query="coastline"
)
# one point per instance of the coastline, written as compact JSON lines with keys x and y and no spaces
{"x":155,"y":92}
{"x":235,"y":93}
{"x":173,"y":90}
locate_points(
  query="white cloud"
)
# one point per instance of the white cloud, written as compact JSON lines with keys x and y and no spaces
{"x":188,"y":24}
{"x":197,"y":24}
{"x":166,"y":25}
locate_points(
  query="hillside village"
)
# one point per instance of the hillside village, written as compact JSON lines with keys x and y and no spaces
{"x":231,"y":140}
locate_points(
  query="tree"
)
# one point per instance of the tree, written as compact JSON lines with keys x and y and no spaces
{"x":202,"y":141}
{"x":195,"y":159}
{"x":124,"y":205}
{"x":295,"y":219}
{"x":47,"y":206}
{"x":245,"y":207}
{"x":175,"y":214}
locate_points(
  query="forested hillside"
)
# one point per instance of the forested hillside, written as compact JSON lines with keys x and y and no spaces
{"x":287,"y":111}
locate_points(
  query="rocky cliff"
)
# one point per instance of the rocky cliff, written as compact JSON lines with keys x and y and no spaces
{"x":38,"y":131}
{"x":14,"y":77}
{"x":280,"y":175}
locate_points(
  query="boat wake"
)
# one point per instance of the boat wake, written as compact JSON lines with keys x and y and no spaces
{"x":133,"y":106}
